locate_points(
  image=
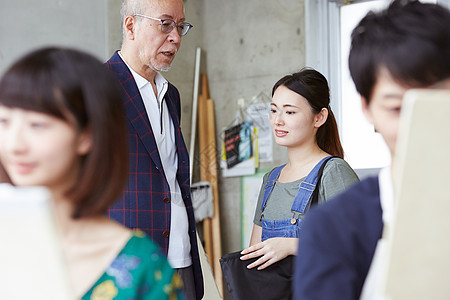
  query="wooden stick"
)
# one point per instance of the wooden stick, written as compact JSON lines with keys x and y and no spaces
{"x":217,"y":243}
{"x":205,"y":86}
{"x":208,"y":172}
{"x":204,"y":161}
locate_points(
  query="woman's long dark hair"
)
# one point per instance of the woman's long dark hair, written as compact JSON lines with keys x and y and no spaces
{"x":313,"y":86}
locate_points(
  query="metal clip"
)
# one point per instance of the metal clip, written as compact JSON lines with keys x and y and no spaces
{"x":294,"y":219}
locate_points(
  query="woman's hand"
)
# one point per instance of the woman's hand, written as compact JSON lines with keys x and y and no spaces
{"x":271,"y":251}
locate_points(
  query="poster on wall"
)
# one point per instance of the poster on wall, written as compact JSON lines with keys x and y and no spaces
{"x":246,"y":167}
{"x":258,"y":113}
{"x":238,"y":144}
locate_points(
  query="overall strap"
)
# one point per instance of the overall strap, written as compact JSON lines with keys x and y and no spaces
{"x":273,"y":176}
{"x":308,"y":186}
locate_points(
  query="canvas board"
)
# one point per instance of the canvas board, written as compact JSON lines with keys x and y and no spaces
{"x":32,"y":265}
{"x":418,"y":252}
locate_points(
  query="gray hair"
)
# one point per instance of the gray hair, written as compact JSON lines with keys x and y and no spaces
{"x":129,"y":8}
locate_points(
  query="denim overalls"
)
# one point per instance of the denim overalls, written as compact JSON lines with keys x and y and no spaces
{"x":289,"y":227}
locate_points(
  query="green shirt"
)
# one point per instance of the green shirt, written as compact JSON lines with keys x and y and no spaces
{"x":140,"y":271}
{"x":337,"y":176}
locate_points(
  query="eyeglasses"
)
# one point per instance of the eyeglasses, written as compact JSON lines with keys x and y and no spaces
{"x":167,"y":25}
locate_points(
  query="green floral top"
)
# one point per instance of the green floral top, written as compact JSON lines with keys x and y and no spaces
{"x":140,"y":271}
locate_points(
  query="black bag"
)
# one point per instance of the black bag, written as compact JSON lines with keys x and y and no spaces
{"x":273,"y":282}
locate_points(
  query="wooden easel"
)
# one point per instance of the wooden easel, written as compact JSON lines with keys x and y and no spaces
{"x":208,"y":172}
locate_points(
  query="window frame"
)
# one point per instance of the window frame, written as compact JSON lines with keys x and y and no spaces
{"x":323,"y":47}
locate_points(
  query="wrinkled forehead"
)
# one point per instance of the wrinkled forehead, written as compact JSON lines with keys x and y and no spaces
{"x":173,"y":9}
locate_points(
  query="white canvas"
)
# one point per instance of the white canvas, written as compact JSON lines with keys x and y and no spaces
{"x":31,"y":261}
{"x":418,"y":260}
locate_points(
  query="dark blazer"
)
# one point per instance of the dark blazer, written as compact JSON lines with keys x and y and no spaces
{"x":145,"y":202}
{"x":337,"y":243}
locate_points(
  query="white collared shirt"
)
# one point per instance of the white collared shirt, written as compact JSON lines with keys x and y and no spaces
{"x":179,"y":253}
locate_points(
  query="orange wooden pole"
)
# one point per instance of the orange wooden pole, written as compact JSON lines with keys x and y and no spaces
{"x":216,"y":235}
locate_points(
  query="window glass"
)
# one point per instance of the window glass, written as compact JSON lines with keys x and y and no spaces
{"x":363,"y":147}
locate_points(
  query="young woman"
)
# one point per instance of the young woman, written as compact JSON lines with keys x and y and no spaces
{"x":302,"y":121}
{"x":62,"y":127}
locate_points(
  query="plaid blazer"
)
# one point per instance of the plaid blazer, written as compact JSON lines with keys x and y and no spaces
{"x":145,"y":202}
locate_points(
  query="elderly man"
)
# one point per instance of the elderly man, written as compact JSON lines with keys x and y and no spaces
{"x":156,"y":199}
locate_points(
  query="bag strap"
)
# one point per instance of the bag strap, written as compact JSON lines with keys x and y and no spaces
{"x":315,"y":194}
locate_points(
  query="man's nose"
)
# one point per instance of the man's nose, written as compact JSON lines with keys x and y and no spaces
{"x":174,"y":36}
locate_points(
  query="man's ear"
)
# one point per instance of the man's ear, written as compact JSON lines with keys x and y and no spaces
{"x":321,"y":117}
{"x":84,"y":142}
{"x":366,"y":110}
{"x":129,"y":25}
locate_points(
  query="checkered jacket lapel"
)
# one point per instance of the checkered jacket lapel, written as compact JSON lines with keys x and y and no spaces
{"x":136,"y":113}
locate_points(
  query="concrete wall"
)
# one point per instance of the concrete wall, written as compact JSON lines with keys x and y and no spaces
{"x":247,"y":46}
{"x":83,"y":24}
